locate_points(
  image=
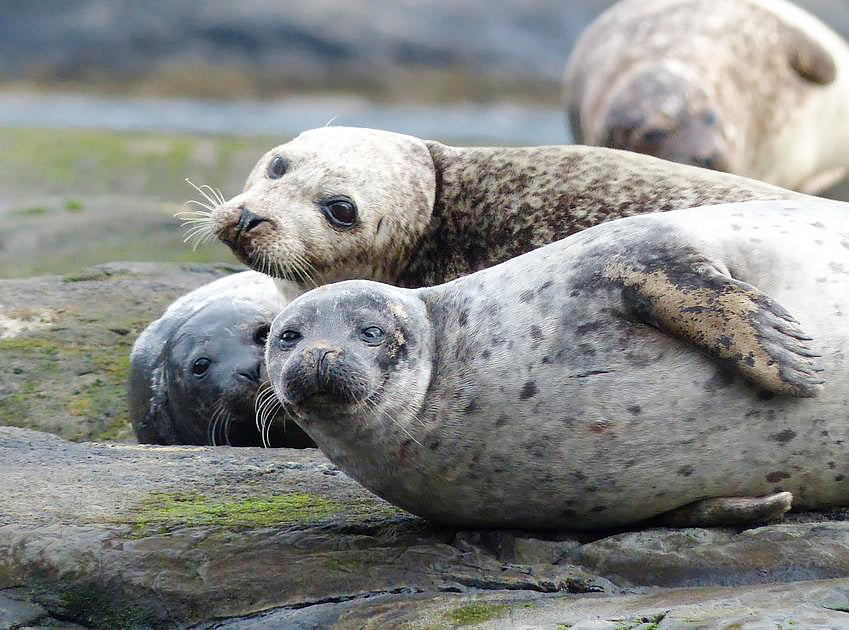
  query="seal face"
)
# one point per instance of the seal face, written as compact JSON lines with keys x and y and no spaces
{"x":342,"y":203}
{"x":196,"y":372}
{"x":754,"y":87}
{"x":687,"y":366}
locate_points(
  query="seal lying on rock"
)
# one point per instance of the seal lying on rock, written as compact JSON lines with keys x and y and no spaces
{"x":195,"y":372}
{"x":581,"y":385}
{"x":754,"y":87}
{"x":341,"y":203}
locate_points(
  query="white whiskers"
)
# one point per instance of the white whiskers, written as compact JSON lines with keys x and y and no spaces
{"x":197,"y":221}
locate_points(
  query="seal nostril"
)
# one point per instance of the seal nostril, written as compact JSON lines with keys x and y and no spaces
{"x":248,"y":221}
{"x":250,"y":374}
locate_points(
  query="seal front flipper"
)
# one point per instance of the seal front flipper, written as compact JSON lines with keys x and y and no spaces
{"x":728,"y":319}
{"x":727,"y":511}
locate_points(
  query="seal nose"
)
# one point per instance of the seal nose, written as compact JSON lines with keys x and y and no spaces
{"x":237,"y":226}
{"x":250,"y":374}
{"x":248,"y":221}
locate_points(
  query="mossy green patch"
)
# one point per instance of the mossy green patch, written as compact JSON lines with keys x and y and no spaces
{"x":32,"y":211}
{"x":477,"y":613}
{"x":72,"y":205}
{"x":161,"y":512}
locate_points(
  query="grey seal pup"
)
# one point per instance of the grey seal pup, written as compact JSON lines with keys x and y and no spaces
{"x":754,"y":87}
{"x":197,"y":371}
{"x":341,"y":203}
{"x":594,"y":382}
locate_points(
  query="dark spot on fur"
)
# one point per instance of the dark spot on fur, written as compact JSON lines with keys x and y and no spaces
{"x":486,"y":354}
{"x":473,"y":404}
{"x":544,"y":286}
{"x":685,"y":471}
{"x":434,"y":445}
{"x":599,"y":508}
{"x":526,"y":296}
{"x":545,"y":360}
{"x":839,"y":477}
{"x":579,"y":476}
{"x":536,"y":332}
{"x":464,"y":317}
{"x":783,"y":437}
{"x":588,"y":327}
{"x":634,"y":409}
{"x":831,"y":465}
{"x":502,"y":420}
{"x":529,"y":390}
{"x":586,"y":349}
{"x":720,"y":379}
{"x":776,"y":476}
{"x":599,"y":427}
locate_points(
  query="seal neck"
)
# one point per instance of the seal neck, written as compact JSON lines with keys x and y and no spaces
{"x":495,"y":203}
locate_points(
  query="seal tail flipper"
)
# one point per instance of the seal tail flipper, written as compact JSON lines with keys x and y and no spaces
{"x":728,"y":319}
{"x":727,"y":511}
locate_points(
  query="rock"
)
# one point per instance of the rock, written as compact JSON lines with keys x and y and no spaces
{"x":65,"y":343}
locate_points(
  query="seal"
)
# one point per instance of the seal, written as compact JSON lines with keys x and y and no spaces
{"x":196,"y":373}
{"x":595,"y":382}
{"x":341,"y":203}
{"x":754,"y":87}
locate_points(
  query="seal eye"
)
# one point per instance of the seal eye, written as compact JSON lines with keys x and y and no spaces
{"x":340,"y":211}
{"x":289,"y":337}
{"x":277,"y":167}
{"x":261,"y":335}
{"x":200,"y":366}
{"x":372,"y":335}
{"x":654,"y":136}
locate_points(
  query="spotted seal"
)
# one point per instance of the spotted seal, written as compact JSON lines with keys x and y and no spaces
{"x":594,"y":382}
{"x":341,"y":203}
{"x":196,"y":372}
{"x":754,"y":87}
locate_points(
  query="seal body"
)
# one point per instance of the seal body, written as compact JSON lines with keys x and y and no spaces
{"x":755,"y":87}
{"x":594,"y":382}
{"x":342,"y":203}
{"x":195,"y":373}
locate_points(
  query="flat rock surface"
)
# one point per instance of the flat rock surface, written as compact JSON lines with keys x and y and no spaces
{"x":122,"y":535}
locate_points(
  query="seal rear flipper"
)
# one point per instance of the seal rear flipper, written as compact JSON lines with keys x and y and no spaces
{"x":808,"y":58}
{"x":727,"y":511}
{"x":728,"y":319}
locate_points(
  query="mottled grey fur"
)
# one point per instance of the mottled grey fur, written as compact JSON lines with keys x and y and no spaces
{"x":754,"y":87}
{"x":542,"y":393}
{"x":429,"y":213}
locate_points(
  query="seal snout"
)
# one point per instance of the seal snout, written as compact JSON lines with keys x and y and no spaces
{"x":237,"y":228}
{"x":326,"y":370}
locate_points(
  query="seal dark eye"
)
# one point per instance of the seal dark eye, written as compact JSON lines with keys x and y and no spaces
{"x":261,"y":335}
{"x":372,"y":335}
{"x":653,"y":136}
{"x":277,"y":167}
{"x":289,"y":337}
{"x":340,"y":211}
{"x":200,"y":366}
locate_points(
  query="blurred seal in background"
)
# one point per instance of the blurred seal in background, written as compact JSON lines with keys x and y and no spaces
{"x":754,"y":87}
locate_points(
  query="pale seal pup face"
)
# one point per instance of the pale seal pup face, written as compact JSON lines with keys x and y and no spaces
{"x":351,"y":358}
{"x":333,"y":203}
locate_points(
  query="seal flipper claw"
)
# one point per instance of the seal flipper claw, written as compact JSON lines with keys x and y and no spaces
{"x":728,"y":319}
{"x":727,"y":511}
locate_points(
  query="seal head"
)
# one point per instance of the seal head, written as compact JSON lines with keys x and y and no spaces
{"x":334,"y":203}
{"x":196,"y":373}
{"x":352,"y":363}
